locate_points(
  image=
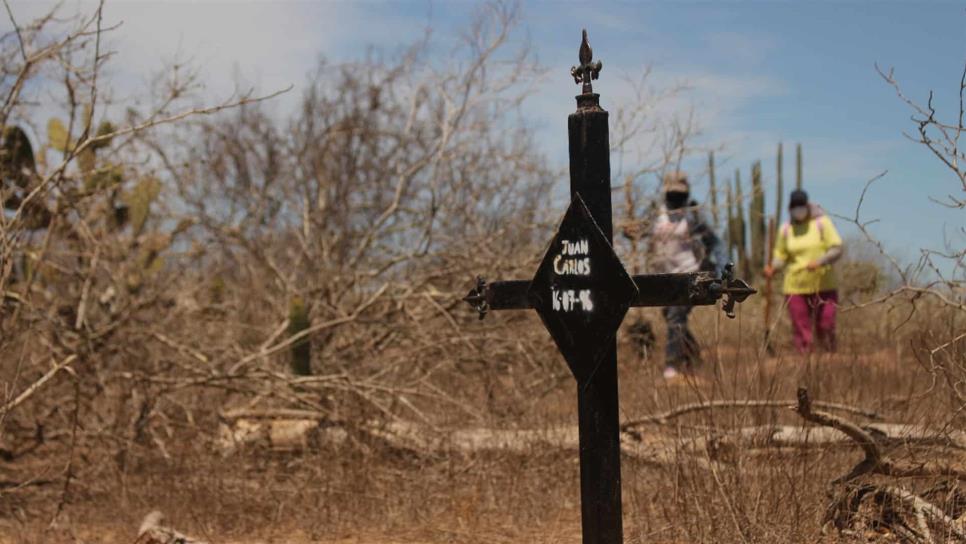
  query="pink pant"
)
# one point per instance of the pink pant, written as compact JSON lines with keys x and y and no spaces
{"x":818,"y":310}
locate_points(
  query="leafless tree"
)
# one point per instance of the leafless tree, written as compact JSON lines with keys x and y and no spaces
{"x":152,"y":272}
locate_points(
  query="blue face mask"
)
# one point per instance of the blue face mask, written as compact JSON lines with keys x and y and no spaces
{"x":799,"y":213}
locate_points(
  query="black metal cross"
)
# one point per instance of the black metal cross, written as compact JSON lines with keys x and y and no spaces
{"x":581,"y":292}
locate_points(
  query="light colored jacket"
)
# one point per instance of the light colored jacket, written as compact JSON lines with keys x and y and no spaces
{"x":681,"y":242}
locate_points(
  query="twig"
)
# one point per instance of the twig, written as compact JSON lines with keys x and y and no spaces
{"x":873,"y":454}
{"x":86,"y":291}
{"x":272,"y":413}
{"x":70,"y":457}
{"x":921,"y":509}
{"x":663,"y":417}
{"x":874,"y":461}
{"x":181,"y":348}
{"x":29,"y":392}
{"x":265,"y":352}
{"x":16,"y":28}
{"x":853,"y":431}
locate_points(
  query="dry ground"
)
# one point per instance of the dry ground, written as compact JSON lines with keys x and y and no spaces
{"x":365,"y":491}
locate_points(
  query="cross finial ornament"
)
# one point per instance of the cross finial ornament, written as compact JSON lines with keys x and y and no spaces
{"x":587,"y":70}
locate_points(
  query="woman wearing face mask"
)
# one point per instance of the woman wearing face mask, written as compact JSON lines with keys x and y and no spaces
{"x":681,"y":242}
{"x":805,"y":248}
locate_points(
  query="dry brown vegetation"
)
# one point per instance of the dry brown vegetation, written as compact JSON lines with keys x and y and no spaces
{"x":252,"y":324}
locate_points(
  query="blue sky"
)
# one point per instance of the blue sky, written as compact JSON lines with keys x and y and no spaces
{"x":758,"y":73}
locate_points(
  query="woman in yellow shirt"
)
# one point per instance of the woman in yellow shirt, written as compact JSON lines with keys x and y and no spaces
{"x":805,"y":248}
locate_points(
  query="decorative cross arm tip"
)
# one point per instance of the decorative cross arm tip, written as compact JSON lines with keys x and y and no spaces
{"x":476,"y":298}
{"x":587,"y":70}
{"x":733,"y":289}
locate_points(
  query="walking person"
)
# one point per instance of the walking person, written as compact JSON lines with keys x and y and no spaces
{"x":682,"y":242}
{"x":805,"y":248}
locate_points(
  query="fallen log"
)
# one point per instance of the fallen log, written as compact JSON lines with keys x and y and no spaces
{"x":152,"y":532}
{"x":298,"y":429}
{"x":844,"y":512}
{"x":664,"y":418}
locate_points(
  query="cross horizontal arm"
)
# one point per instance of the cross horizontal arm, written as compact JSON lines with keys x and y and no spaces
{"x":508,"y":295}
{"x":653,"y":290}
{"x":693,"y":289}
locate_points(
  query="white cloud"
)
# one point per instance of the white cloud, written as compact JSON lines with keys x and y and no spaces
{"x":739,"y":48}
{"x":266,"y":45}
{"x":272,"y":45}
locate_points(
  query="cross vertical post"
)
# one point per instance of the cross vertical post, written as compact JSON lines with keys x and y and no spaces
{"x":597,"y":397}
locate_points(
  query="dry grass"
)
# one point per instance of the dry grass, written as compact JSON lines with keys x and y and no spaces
{"x":366,"y":491}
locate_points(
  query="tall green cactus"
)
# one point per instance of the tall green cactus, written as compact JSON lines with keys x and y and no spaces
{"x":732,"y":230}
{"x":99,"y":176}
{"x":779,"y":186}
{"x":17,"y":162}
{"x":87,"y":162}
{"x":798,"y":166}
{"x":18,"y":166}
{"x":301,"y":352}
{"x":714,"y":191}
{"x":57,"y":137}
{"x":216,"y":290}
{"x":103,"y":129}
{"x":148,"y":259}
{"x":740,"y":239}
{"x":139,"y":201}
{"x":105,"y":177}
{"x":756,"y":219}
{"x":96,"y":176}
